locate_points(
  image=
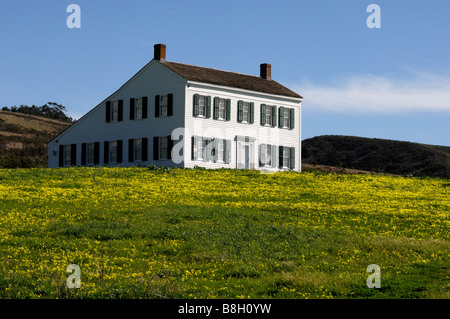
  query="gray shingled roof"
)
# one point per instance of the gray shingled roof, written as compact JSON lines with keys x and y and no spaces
{"x":230,"y":79}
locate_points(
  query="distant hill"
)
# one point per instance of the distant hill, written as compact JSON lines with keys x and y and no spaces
{"x":24,"y":138}
{"x":377,"y":155}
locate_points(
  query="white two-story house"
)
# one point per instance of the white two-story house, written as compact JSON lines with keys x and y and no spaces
{"x":173,"y":114}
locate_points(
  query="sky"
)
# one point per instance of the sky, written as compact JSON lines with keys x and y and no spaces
{"x":391,"y":82}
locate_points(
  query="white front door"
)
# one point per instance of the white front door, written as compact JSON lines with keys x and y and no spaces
{"x":245,"y":155}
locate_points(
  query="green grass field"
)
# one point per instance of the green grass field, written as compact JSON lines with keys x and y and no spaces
{"x":182,"y":233}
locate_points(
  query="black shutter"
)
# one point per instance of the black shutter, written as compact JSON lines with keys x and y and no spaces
{"x":119,"y":151}
{"x":169,"y":147}
{"x":215,"y":149}
{"x":274,"y":116}
{"x":61,"y":155}
{"x":228,"y":109}
{"x":170,"y":104}
{"x":83,"y":154}
{"x":144,"y":107}
{"x":130,"y":150}
{"x":280,"y":116}
{"x":120,"y":115}
{"x":280,"y":156}
{"x":156,"y":105}
{"x":196,"y":105}
{"x":132,"y":109}
{"x":208,"y":107}
{"x":291,"y":118}
{"x":73,"y":154}
{"x":106,"y":152}
{"x":263,"y":114}
{"x":252,"y":112}
{"x":194,"y":151}
{"x":108,"y":111}
{"x":145,"y":149}
{"x":155,"y":148}
{"x":240,"y":109}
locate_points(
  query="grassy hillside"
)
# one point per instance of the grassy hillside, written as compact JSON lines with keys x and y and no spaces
{"x":181,"y":233}
{"x":379,"y":155}
{"x":24,"y":138}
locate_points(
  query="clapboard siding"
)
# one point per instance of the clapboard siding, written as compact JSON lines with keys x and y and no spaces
{"x":209,"y":127}
{"x":153,"y":80}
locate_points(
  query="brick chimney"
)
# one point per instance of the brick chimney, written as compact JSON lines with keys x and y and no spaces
{"x":160,"y":52}
{"x":266,"y":71}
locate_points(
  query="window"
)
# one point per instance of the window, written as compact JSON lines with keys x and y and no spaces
{"x":268,"y":159}
{"x":163,"y":105}
{"x":163,"y":147}
{"x":222,"y":109}
{"x":115,"y":111}
{"x":113,"y":152}
{"x":268,"y":115}
{"x":67,"y":155}
{"x":286,"y":118}
{"x":91,"y":153}
{"x":267,"y":155}
{"x":245,"y":112}
{"x":201,"y":145}
{"x":138,"y":149}
{"x":202,"y":105}
{"x":211,"y":149}
{"x":138,"y":109}
{"x":219,"y":150}
{"x":286,"y":157}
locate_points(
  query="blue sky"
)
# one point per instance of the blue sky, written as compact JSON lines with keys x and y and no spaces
{"x":392,"y":82}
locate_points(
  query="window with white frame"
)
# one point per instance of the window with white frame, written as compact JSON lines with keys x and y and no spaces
{"x":163,"y":147}
{"x":163,"y":105}
{"x":267,"y":155}
{"x":202,"y":105}
{"x":246,"y":112}
{"x":115,"y":111}
{"x":67,"y":155}
{"x":138,"y":149}
{"x":286,"y":117}
{"x":113,"y":151}
{"x":268,"y":114}
{"x":286,"y":157}
{"x":219,"y":149}
{"x":268,"y":159}
{"x":222,"y":109}
{"x":138,"y":109}
{"x":90,"y":153}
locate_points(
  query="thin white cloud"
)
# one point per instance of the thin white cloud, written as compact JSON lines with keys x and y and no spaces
{"x":369,"y":93}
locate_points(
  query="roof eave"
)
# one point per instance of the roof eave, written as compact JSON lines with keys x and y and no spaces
{"x":211,"y":85}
